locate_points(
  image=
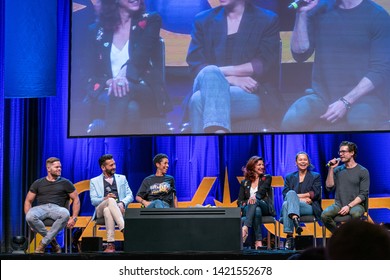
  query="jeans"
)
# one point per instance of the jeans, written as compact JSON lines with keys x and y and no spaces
{"x":123,"y":114}
{"x":304,"y":114}
{"x":330,"y":212}
{"x":254,"y":214}
{"x":215,"y":103}
{"x":37,"y":214}
{"x":158,"y":204}
{"x":290,"y":206}
{"x":112,"y":214}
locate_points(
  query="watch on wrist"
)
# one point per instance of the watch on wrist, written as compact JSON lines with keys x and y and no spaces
{"x":346,"y":103}
{"x":75,"y":219}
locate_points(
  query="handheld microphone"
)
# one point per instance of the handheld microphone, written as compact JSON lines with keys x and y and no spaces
{"x":295,"y":5}
{"x":330,"y":163}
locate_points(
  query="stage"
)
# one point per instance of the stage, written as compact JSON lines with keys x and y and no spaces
{"x":245,"y":254}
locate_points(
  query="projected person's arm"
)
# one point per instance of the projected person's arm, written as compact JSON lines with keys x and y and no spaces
{"x":338,"y":109}
{"x":376,"y":75}
{"x":240,"y":75}
{"x":247,"y":75}
{"x":300,"y":39}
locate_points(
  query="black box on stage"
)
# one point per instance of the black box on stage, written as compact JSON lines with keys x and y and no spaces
{"x":182,"y":229}
{"x":91,"y":244}
{"x":303,"y":242}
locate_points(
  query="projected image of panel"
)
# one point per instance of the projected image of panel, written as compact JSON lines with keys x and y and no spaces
{"x":151,"y":75}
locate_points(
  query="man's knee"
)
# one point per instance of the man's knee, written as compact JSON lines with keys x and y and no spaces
{"x":356,"y":214}
{"x":111,"y":201}
{"x":303,"y":113}
{"x":30,"y":217}
{"x":64,"y":213}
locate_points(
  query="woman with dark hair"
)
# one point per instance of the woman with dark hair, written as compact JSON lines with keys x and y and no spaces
{"x":158,"y":190}
{"x":255,"y":193}
{"x":125,"y":78}
{"x":302,"y":196}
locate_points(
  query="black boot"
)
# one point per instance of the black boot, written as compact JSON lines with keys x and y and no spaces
{"x":297,"y":226}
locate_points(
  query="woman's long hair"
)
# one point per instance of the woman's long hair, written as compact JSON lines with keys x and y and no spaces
{"x":109,"y":17}
{"x":249,"y":169}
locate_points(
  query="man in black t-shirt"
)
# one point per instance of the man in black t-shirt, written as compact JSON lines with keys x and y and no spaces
{"x":52,"y":194}
{"x":158,"y":190}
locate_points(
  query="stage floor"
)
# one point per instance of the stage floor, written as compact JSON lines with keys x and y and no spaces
{"x":190,"y":255}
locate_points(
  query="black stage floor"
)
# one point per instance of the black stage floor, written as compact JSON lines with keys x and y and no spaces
{"x":246,"y":254}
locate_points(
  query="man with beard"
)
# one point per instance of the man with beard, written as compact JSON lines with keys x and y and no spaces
{"x":110,"y":194}
{"x":352,"y":183}
{"x":52,"y":193}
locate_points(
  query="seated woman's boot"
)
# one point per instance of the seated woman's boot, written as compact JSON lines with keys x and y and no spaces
{"x":298,"y":228}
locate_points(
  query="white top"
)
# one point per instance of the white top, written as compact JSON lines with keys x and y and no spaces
{"x":253,"y":191}
{"x":118,"y":58}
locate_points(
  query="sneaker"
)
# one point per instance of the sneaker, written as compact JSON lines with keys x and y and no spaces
{"x":110,"y":248}
{"x":41,"y":248}
{"x":55,"y":247}
{"x":289,"y":243}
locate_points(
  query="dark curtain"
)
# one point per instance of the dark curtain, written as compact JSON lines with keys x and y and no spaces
{"x":32,"y":130}
{"x":1,"y":121}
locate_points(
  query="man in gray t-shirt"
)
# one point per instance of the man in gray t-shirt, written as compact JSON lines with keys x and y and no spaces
{"x":352,"y":183}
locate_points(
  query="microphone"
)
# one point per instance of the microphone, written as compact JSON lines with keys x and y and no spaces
{"x":295,"y":5}
{"x":330,"y":163}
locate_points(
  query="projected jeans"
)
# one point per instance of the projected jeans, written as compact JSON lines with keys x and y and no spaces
{"x":292,"y":205}
{"x":368,"y":113}
{"x":37,"y":214}
{"x":216,"y":103}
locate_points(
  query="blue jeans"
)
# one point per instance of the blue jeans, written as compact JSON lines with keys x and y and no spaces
{"x":330,"y":212}
{"x":158,"y":204}
{"x":254,"y":215}
{"x":304,"y":114}
{"x":291,"y":206}
{"x":37,"y":214}
{"x":215,"y":103}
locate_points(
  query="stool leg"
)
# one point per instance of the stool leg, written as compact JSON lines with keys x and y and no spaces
{"x":66,"y":241}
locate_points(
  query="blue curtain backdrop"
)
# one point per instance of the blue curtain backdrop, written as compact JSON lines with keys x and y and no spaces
{"x":30,"y":73}
{"x":32,"y":130}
